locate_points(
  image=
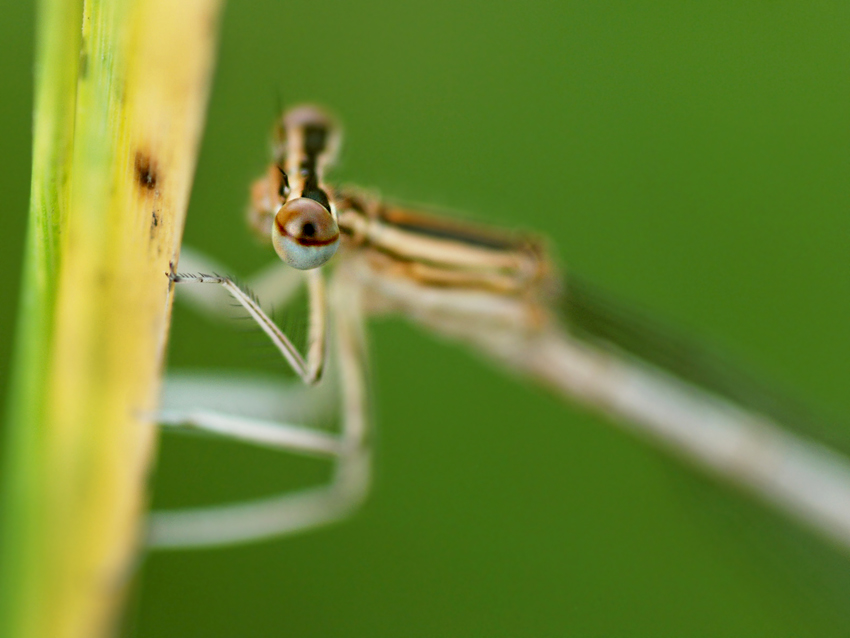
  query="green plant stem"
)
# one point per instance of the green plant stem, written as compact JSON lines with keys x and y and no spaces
{"x":121,"y":88}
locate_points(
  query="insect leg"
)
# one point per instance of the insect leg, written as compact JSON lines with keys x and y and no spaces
{"x":275,"y":285}
{"x":309,"y":373}
{"x":304,"y":509}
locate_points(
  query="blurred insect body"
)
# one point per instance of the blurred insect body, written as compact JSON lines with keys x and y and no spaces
{"x":495,"y":291}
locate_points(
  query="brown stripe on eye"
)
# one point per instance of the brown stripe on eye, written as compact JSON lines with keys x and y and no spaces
{"x":311,"y":229}
{"x":309,"y":241}
{"x":303,"y":240}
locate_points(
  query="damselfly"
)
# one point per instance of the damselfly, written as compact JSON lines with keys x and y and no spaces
{"x":498,"y":292}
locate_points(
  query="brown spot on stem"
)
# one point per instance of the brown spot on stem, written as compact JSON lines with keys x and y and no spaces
{"x":146,"y":171}
{"x":154,"y":224}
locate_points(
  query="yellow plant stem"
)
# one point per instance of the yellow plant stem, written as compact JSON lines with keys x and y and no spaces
{"x":143,"y":72}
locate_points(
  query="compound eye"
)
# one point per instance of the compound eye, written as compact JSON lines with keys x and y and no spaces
{"x":305,"y":234}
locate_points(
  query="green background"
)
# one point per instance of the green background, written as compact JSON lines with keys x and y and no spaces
{"x":691,"y":157}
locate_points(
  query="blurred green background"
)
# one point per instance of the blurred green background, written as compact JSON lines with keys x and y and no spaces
{"x":691,"y":157}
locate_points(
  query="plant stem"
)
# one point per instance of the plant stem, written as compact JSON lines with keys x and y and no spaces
{"x":121,"y":89}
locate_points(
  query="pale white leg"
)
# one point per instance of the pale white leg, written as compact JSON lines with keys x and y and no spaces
{"x":252,"y":395}
{"x":272,"y":434}
{"x":275,"y":285}
{"x":310,"y":370}
{"x":300,"y":510}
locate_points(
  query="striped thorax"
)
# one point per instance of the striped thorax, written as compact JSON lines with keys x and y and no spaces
{"x":399,"y":252}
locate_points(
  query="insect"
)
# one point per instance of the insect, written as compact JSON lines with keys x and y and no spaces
{"x":498,"y":292}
